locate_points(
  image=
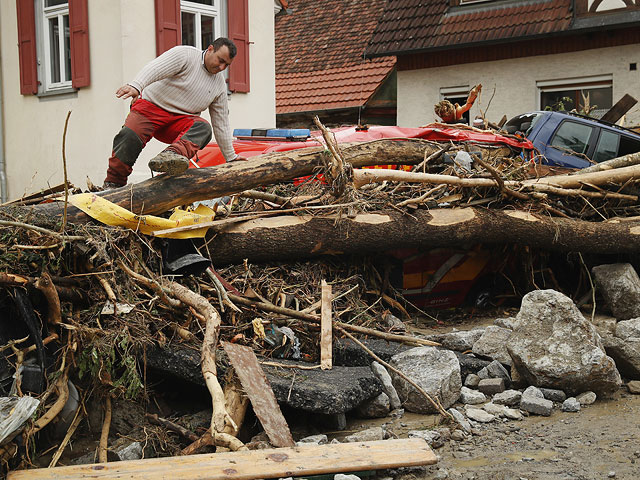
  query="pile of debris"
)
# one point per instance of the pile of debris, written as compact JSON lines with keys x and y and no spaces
{"x":99,"y":311}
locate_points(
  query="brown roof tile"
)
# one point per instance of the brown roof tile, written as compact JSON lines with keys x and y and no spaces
{"x":319,"y":55}
{"x":439,"y":26}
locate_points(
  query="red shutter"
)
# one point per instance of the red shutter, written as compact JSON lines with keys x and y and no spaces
{"x":239,"y":34}
{"x":168,"y":31}
{"x":27,"y":47}
{"x":79,"y":28}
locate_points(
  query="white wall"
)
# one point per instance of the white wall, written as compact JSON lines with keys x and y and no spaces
{"x":514,"y":82}
{"x":122,"y":40}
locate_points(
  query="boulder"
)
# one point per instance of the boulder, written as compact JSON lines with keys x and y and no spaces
{"x":554,"y":346}
{"x":460,"y":341}
{"x":619,"y":285}
{"x":383,"y":376}
{"x":435,"y":370}
{"x":492,"y":344}
{"x":624,"y":347}
{"x":377,"y":407}
{"x":471,"y":397}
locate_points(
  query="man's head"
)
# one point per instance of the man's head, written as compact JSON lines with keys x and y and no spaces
{"x":219,"y":55}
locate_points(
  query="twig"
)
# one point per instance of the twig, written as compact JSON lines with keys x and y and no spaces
{"x":593,"y":288}
{"x":104,"y":435}
{"x":70,"y":431}
{"x":71,"y":238}
{"x":174,"y":427}
{"x":64,"y":165}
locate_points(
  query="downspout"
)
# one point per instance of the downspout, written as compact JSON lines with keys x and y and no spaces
{"x":3,"y":175}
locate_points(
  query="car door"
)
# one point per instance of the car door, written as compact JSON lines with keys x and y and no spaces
{"x":571,"y":144}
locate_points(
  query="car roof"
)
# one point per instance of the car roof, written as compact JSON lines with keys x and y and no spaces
{"x":591,"y":120}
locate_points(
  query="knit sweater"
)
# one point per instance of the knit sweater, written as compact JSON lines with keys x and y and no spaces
{"x":178,"y":82}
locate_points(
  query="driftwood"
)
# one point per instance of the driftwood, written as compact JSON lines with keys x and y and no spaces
{"x":270,"y":238}
{"x":161,"y":193}
{"x":624,"y":161}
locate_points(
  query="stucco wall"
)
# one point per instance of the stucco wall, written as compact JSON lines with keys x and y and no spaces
{"x":122,"y":40}
{"x":514,"y":82}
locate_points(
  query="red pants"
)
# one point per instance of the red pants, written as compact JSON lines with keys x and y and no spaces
{"x":186,"y":134}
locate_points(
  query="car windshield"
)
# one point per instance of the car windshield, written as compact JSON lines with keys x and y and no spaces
{"x":522,"y":123}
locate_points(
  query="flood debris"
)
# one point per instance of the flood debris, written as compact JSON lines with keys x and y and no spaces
{"x":308,"y":280}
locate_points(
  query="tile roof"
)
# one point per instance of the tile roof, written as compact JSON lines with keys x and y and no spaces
{"x":319,"y":54}
{"x":341,"y":87}
{"x":435,"y":25}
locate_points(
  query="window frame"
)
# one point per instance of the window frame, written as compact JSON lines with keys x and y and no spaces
{"x":198,"y":9}
{"x":589,"y":142}
{"x":43,"y":36}
{"x":576,"y":84}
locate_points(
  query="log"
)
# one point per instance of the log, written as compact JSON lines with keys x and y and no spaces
{"x":269,"y":239}
{"x":163,"y":192}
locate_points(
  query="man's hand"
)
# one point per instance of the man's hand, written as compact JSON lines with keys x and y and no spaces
{"x":127,"y":91}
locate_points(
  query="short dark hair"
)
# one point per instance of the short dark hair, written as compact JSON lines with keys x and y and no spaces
{"x":225,"y":42}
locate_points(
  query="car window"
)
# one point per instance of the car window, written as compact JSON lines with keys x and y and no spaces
{"x":628,"y":145}
{"x":607,"y":146}
{"x":522,"y":123}
{"x":572,"y":136}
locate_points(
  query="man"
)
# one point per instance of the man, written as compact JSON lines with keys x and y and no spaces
{"x":168,"y":96}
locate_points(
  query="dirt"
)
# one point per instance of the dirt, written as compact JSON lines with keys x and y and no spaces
{"x":600,"y":441}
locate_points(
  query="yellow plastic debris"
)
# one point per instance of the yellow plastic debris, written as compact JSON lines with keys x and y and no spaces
{"x":111,"y":214}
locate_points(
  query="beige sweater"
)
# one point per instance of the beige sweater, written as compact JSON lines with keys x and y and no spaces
{"x":178,"y":81}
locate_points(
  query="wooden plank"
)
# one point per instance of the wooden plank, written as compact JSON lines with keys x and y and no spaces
{"x":621,"y":107}
{"x":247,"y":465}
{"x":259,"y":391}
{"x":326,"y":331}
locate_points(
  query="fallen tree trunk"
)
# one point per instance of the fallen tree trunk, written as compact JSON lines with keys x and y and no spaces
{"x":270,"y":238}
{"x":161,"y":193}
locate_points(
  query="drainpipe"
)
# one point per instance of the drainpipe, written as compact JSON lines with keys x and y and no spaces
{"x":3,"y":175}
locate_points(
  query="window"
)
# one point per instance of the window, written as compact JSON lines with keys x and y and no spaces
{"x":457,"y":95}
{"x":591,"y":96}
{"x":53,"y":45}
{"x":572,"y":137}
{"x":56,"y":45}
{"x":200,"y":21}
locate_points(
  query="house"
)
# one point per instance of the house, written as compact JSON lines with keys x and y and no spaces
{"x":62,"y":56}
{"x":527,"y":54}
{"x":320,"y":68}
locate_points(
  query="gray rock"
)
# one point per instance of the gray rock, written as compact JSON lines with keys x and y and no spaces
{"x":536,"y":405}
{"x":586,"y":398}
{"x":513,"y":414}
{"x":628,"y":329}
{"x":552,"y":345}
{"x":508,"y":322}
{"x":494,"y":409}
{"x":496,"y":370}
{"x":619,"y":285}
{"x":571,"y":405}
{"x":493,"y":344}
{"x":554,"y":395}
{"x":471,"y":397}
{"x":320,"y":439}
{"x":483,"y":373}
{"x":393,"y":323}
{"x":479,"y":415}
{"x":434,"y":370}
{"x":376,"y":407}
{"x":383,"y":376}
{"x":460,"y":341}
{"x":432,"y":437}
{"x":133,"y":451}
{"x":491,"y":386}
{"x":458,"y":435}
{"x":625,"y":352}
{"x":472,"y":380}
{"x":532,"y":391}
{"x":342,"y":476}
{"x":508,"y":397}
{"x":368,"y":435}
{"x":460,"y":420}
{"x":634,"y":387}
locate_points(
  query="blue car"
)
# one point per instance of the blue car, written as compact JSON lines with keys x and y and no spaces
{"x":574,"y":141}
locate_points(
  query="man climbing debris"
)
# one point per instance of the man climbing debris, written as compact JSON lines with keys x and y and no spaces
{"x":168,"y":96}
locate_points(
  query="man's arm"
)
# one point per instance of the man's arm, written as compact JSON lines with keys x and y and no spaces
{"x":219,"y":111}
{"x":168,"y":64}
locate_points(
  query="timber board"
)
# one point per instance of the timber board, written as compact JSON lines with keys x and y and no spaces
{"x":252,"y":464}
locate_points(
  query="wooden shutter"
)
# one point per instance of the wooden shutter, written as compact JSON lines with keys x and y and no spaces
{"x":27,"y":55}
{"x":239,"y":34}
{"x":168,"y":31}
{"x":79,"y":31}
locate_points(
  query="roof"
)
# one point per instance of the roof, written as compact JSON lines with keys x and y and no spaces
{"x":341,"y":87}
{"x":414,"y":25}
{"x":320,"y":60}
